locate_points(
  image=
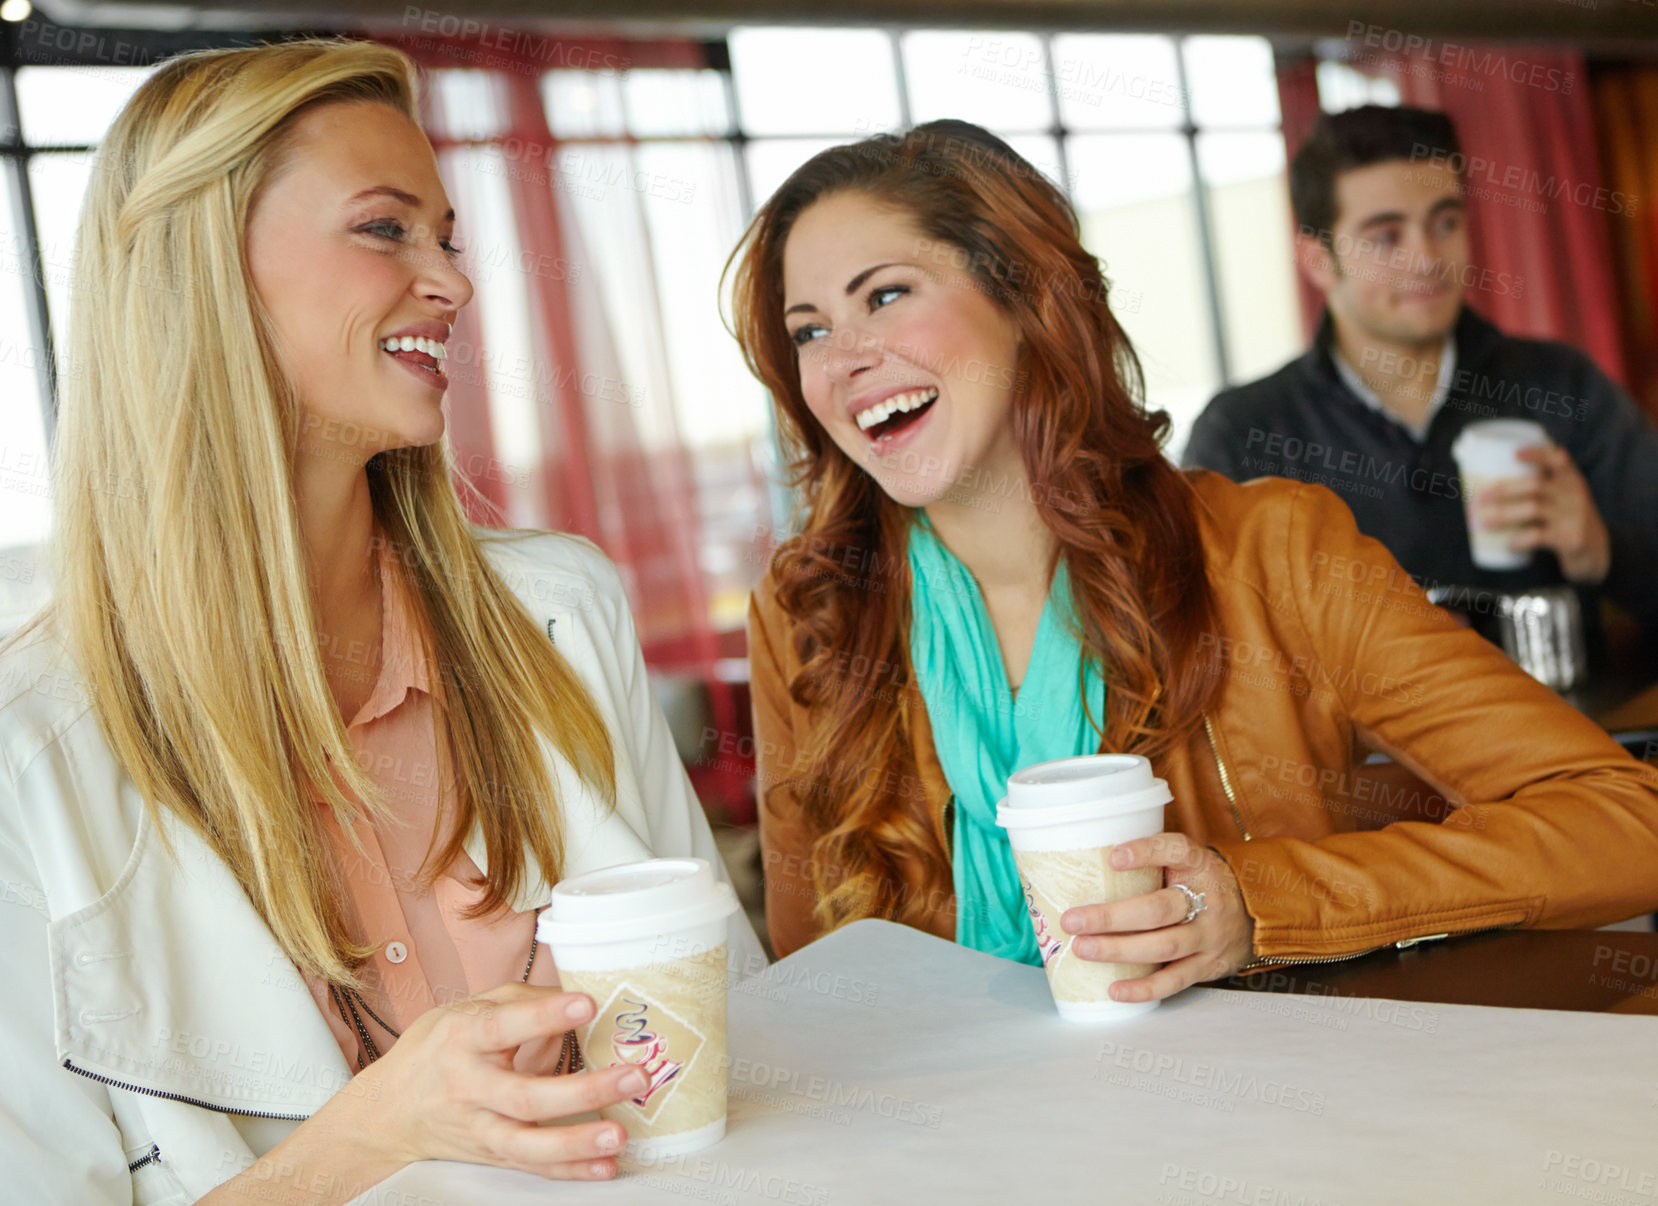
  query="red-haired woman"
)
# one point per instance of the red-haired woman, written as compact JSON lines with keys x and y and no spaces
{"x":998,"y":566}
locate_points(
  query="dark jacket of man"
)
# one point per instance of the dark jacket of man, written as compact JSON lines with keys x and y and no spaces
{"x":1303,"y":422}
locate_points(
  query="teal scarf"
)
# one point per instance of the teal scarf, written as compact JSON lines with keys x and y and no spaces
{"x":982,"y":736}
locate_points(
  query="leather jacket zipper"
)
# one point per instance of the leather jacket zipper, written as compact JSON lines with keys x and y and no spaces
{"x":153,"y":1156}
{"x":206,"y":1105}
{"x":1282,"y":961}
{"x":1268,"y":960}
{"x":1225,"y":777}
{"x":1402,"y":944}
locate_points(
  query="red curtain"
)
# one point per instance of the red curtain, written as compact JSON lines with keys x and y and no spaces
{"x":597,"y":471}
{"x":595,"y":477}
{"x":1536,"y":192}
{"x":1626,"y":117}
{"x":1298,"y":103}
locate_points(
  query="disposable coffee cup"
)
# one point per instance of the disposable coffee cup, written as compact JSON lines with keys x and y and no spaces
{"x":1487,"y":453}
{"x":647,"y":941}
{"x":1063,"y":819}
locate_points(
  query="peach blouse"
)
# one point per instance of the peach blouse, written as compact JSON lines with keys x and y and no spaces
{"x":428,"y":953}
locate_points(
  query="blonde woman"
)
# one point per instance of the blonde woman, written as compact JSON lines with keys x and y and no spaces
{"x":295,"y":753}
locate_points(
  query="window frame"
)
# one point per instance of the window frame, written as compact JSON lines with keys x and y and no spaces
{"x":16,"y":154}
{"x":1061,"y":134}
{"x":39,"y":42}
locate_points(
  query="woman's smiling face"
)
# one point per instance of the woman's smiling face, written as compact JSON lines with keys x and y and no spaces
{"x":904,"y":359}
{"x":349,"y":245}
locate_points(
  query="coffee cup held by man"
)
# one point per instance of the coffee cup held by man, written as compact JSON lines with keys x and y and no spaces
{"x":1403,"y":362}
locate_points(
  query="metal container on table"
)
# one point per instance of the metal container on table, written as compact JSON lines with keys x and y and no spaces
{"x":1542,"y":630}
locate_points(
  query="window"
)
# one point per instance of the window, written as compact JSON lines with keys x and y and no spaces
{"x":25,"y":511}
{"x":1341,"y":87}
{"x":65,"y":111}
{"x":650,"y":186}
{"x":1170,"y":149}
{"x":61,"y":113}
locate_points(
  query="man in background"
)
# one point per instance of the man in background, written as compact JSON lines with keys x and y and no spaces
{"x":1400,"y":364}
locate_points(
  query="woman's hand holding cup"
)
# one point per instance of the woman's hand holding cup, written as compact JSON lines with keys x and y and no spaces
{"x":447,"y":1091}
{"x":1151,"y":927}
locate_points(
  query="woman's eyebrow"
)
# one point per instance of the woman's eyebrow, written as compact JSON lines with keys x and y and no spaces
{"x":851,"y":285}
{"x":386,"y":190}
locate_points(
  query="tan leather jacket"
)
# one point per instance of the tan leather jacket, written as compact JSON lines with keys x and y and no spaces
{"x":1331,"y":651}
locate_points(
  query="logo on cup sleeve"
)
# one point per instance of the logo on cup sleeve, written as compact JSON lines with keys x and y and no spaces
{"x":1046,"y":942}
{"x":648,"y":1034}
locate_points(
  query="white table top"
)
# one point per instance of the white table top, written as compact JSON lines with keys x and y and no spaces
{"x":883,"y":1065}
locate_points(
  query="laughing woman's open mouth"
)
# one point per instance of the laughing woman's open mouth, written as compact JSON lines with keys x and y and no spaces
{"x":895,"y":413}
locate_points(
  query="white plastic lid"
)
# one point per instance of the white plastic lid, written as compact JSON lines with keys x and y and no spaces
{"x":1079,"y":789}
{"x":635,"y":900}
{"x":1489,"y":446}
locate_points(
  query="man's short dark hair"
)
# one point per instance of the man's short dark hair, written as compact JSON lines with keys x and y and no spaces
{"x":1358,"y":138}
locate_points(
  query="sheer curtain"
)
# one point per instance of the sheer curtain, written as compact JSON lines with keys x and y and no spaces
{"x":563,"y":404}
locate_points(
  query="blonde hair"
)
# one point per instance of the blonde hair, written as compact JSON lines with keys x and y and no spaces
{"x":181,"y":584}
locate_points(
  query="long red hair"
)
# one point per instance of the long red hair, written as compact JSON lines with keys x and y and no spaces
{"x":1122,"y":515}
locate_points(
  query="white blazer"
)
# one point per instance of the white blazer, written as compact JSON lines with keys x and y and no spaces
{"x":154,"y":1039}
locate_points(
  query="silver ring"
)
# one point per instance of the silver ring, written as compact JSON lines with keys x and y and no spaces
{"x":1194,"y":899}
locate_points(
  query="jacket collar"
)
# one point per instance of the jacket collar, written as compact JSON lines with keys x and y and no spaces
{"x":1476,"y":339}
